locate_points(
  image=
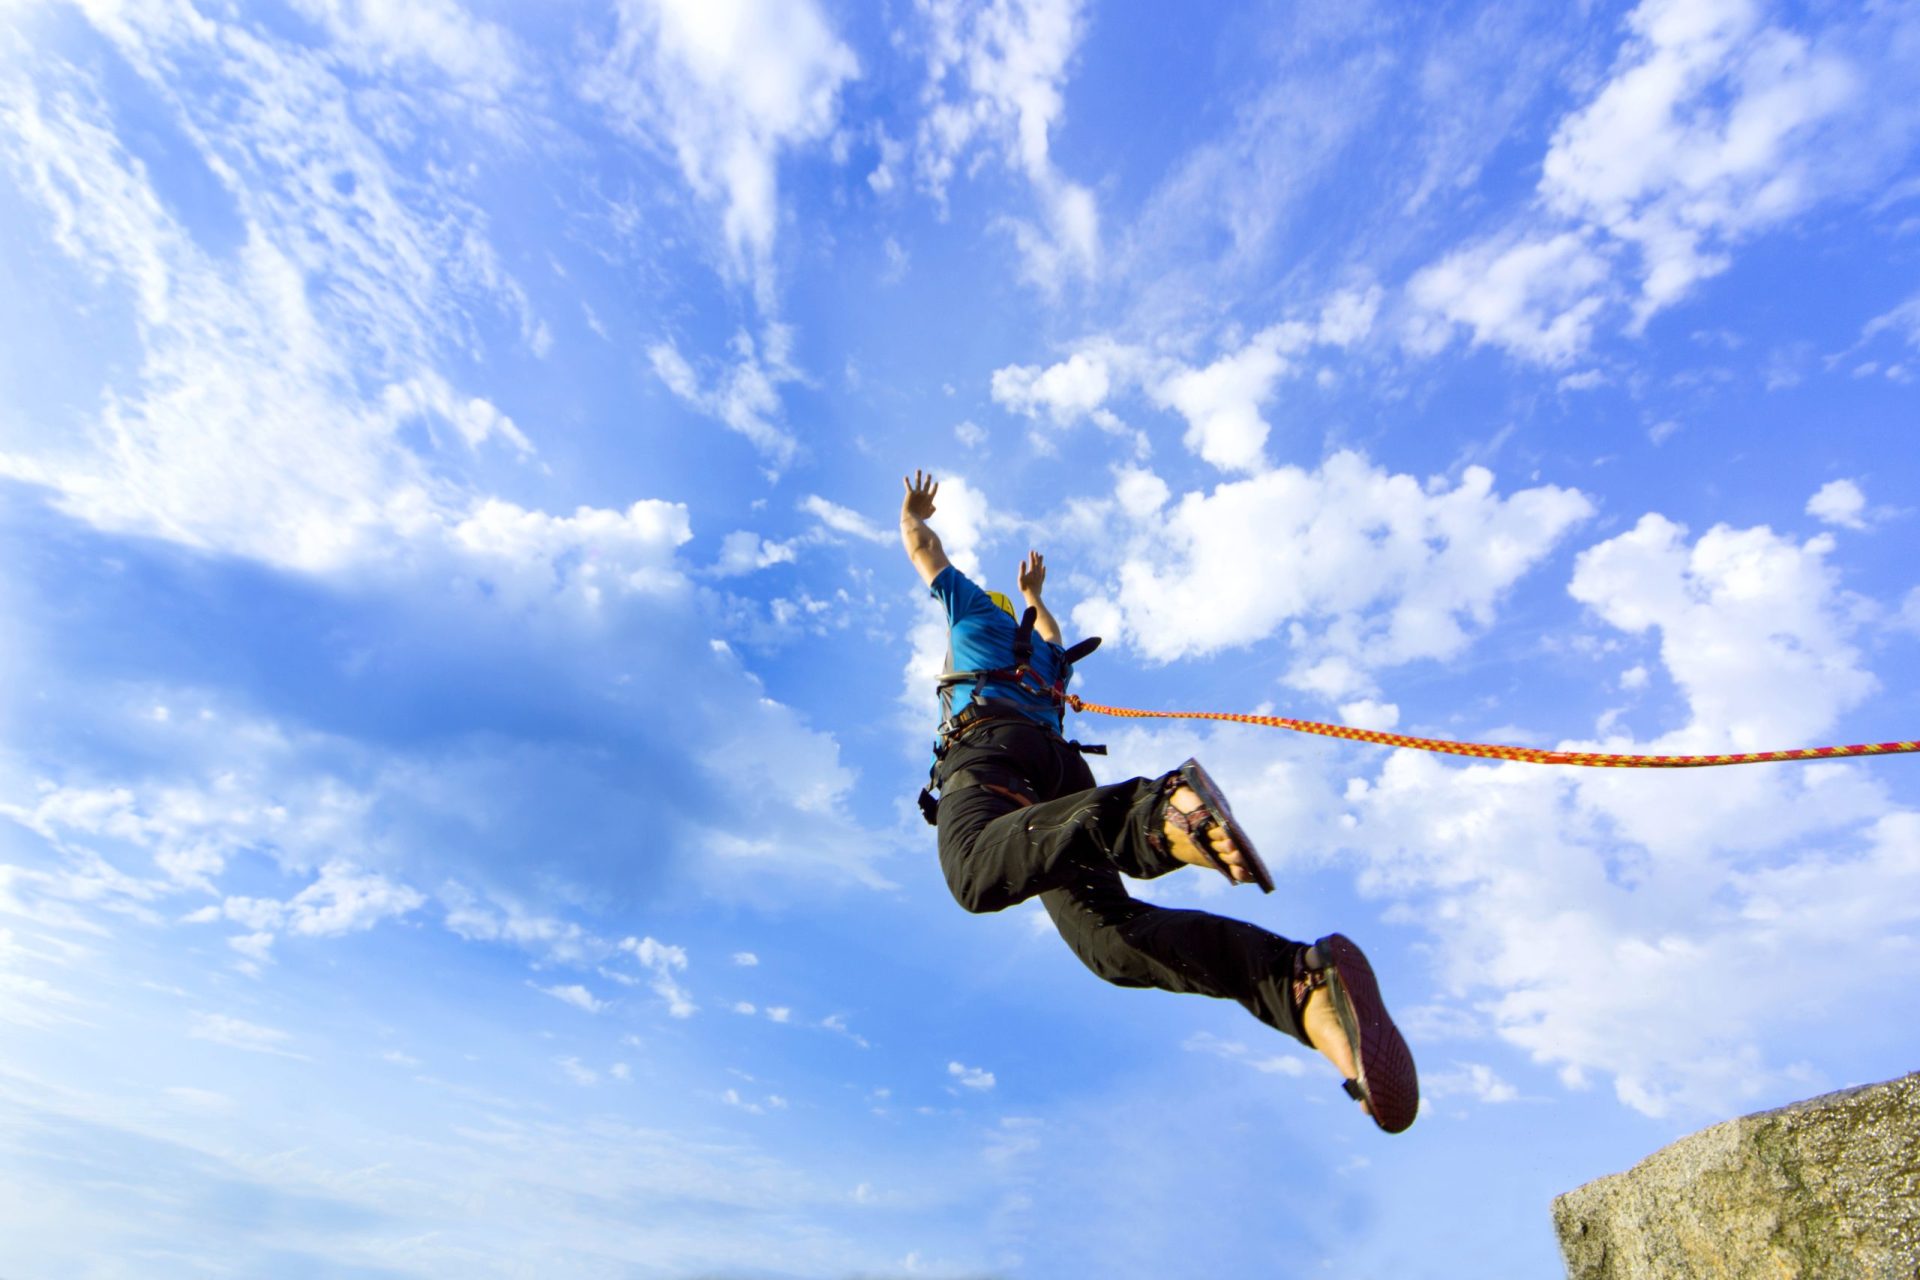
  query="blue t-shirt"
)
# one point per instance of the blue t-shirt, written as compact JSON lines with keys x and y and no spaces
{"x":980,"y":638}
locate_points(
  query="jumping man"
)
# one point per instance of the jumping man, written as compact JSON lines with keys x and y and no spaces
{"x":1019,"y":816}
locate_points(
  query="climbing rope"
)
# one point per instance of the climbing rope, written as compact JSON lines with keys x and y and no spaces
{"x":1488,"y":751}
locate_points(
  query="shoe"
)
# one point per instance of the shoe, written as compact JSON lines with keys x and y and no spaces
{"x":1199,"y":822}
{"x":1387,"y":1083}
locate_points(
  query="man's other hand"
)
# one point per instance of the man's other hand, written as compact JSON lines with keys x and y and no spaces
{"x":1033,"y":575}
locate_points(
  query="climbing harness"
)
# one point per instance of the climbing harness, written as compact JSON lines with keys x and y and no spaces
{"x":1527,"y":755}
{"x":981,"y":709}
{"x":1020,"y":674}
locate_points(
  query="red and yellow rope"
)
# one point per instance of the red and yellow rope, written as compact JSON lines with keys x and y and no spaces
{"x":1486,"y":751}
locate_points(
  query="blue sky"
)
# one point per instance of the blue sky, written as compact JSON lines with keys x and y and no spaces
{"x":461,"y":692}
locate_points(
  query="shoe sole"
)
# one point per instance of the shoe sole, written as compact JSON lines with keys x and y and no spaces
{"x":1388,"y":1081}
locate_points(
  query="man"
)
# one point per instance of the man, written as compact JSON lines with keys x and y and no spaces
{"x":1019,"y":816}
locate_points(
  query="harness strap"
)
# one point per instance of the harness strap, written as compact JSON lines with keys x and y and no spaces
{"x":1082,"y":649}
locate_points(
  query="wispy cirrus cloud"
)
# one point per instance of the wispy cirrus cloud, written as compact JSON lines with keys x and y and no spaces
{"x":1717,"y":123}
{"x":727,"y":86}
{"x":996,"y":75}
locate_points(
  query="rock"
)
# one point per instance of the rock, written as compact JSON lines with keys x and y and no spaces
{"x":1826,"y":1189}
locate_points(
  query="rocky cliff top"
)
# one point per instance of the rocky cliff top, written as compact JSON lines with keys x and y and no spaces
{"x":1826,"y":1189}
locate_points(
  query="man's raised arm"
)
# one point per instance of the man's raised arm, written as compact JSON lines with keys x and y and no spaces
{"x":923,"y":544}
{"x":1033,"y":579}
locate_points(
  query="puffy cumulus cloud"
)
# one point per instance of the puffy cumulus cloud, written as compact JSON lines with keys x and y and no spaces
{"x":1603,"y":957}
{"x":744,"y":395}
{"x":1618,"y":919}
{"x":1364,"y":569}
{"x":727,"y":86}
{"x":526,"y":557}
{"x":1073,"y":389}
{"x":995,"y":72}
{"x":1220,"y":401}
{"x":1754,"y":628}
{"x":1839,"y":502}
{"x":744,"y":551}
{"x":1536,"y":297}
{"x":970,"y":1077}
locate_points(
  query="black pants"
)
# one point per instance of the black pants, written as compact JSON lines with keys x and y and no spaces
{"x":1071,"y":847}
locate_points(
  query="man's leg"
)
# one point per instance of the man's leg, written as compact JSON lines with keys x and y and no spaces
{"x":1136,"y":944}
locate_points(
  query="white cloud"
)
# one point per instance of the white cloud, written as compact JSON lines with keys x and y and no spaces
{"x":1067,"y":391}
{"x":1286,"y":1064}
{"x":341,"y":899}
{"x":1536,"y":297}
{"x":971,"y":1077}
{"x":844,"y":520}
{"x":1903,"y":320}
{"x":897,"y":262}
{"x":1839,"y":502}
{"x":1753,"y":628}
{"x":502,"y":920}
{"x":1618,"y":917}
{"x":744,"y":396}
{"x":475,"y":54}
{"x":728,"y":86}
{"x":527,"y":557}
{"x":237,"y":1033}
{"x":1474,"y":1080}
{"x":1714,"y":126}
{"x":576,"y":995}
{"x":1368,"y":714}
{"x":1702,"y":136}
{"x":577,"y":1072}
{"x":192,"y":829}
{"x":210,"y":442}
{"x":1362,"y":568}
{"x":995,"y":72}
{"x":427,"y":395}
{"x":663,"y":961}
{"x":744,"y":551}
{"x":746,"y":959}
{"x":1221,"y":402}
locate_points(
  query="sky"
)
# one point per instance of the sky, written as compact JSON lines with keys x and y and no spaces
{"x":462,"y":693}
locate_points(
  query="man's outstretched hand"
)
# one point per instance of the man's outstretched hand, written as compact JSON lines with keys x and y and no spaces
{"x":918,"y":503}
{"x":1033,"y":575}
